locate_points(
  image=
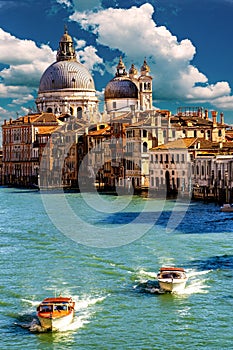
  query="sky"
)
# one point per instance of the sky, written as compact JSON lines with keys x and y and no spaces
{"x":187,"y":44}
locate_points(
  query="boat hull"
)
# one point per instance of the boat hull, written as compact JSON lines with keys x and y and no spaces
{"x":226,"y":209}
{"x":172,"y":279}
{"x":56,"y":323}
{"x":170,"y":285}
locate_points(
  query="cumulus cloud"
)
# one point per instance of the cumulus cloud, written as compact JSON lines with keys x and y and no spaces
{"x":90,"y":59}
{"x":24,"y":64}
{"x":12,"y":91}
{"x":134,"y":32}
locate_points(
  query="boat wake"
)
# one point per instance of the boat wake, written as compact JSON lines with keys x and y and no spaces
{"x":84,"y":310}
{"x":197,"y":283}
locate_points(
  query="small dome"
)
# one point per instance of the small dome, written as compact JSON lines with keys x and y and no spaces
{"x":133,"y":70}
{"x":66,"y":38}
{"x":66,"y":75}
{"x":121,"y":88}
{"x":145,"y":68}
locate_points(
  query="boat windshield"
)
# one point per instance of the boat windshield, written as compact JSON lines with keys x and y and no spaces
{"x":46,"y":308}
{"x":60,"y":307}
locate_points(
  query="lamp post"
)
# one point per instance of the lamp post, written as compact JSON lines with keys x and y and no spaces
{"x":226,"y":186}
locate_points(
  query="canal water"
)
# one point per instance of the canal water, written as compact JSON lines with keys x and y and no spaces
{"x":101,"y":250}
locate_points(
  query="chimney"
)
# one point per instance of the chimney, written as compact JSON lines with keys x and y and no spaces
{"x":206,"y":114}
{"x":222,"y":118}
{"x":10,"y":120}
{"x":214,"y":117}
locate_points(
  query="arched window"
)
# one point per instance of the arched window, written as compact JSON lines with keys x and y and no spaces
{"x":144,"y":146}
{"x":49,"y":110}
{"x":79,"y":112}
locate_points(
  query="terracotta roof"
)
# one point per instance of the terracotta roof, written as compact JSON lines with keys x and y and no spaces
{"x":177,"y":144}
{"x":105,"y":131}
{"x":46,"y":118}
{"x":47,"y":129}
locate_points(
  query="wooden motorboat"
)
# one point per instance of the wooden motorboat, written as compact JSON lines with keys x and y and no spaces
{"x":227,"y":207}
{"x":172,"y":279}
{"x":56,"y":313}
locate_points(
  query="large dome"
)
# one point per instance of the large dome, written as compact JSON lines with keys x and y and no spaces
{"x":66,"y":75}
{"x":121,"y":88}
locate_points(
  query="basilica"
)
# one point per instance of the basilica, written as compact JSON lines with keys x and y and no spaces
{"x":125,"y":145}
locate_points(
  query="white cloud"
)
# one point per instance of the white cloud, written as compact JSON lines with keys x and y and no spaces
{"x":134,"y":32}
{"x":79,"y":43}
{"x":224,"y":102}
{"x":64,"y":2}
{"x":13,"y":91}
{"x":24,"y":60}
{"x":90,"y":59}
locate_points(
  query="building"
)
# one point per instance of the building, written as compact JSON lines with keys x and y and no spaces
{"x":68,"y":143}
{"x":23,"y":142}
{"x":67,"y":87}
{"x":66,"y":90}
{"x":127,"y":90}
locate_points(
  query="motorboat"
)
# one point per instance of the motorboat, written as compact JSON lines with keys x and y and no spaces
{"x":227,"y":207}
{"x":55,"y":313}
{"x":172,"y":279}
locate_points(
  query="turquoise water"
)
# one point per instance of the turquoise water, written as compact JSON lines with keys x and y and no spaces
{"x":113,"y":310}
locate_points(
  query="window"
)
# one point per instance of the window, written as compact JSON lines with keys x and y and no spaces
{"x":202,"y":170}
{"x":144,"y":133}
{"x":152,"y":182}
{"x":114,"y":105}
{"x":144,"y":146}
{"x":161,"y":158}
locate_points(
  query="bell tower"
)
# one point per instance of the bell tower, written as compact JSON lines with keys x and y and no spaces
{"x":145,"y":87}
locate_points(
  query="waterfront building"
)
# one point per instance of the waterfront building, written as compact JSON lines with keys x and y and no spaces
{"x":192,"y":165}
{"x":170,"y":167}
{"x":23,"y":142}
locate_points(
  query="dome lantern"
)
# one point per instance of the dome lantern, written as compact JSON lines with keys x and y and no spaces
{"x":66,"y":51}
{"x":120,"y":68}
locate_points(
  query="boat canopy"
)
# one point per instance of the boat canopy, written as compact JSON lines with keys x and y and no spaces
{"x":171,"y":269}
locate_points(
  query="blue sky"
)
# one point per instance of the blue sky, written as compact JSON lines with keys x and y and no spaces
{"x":187,"y":43}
